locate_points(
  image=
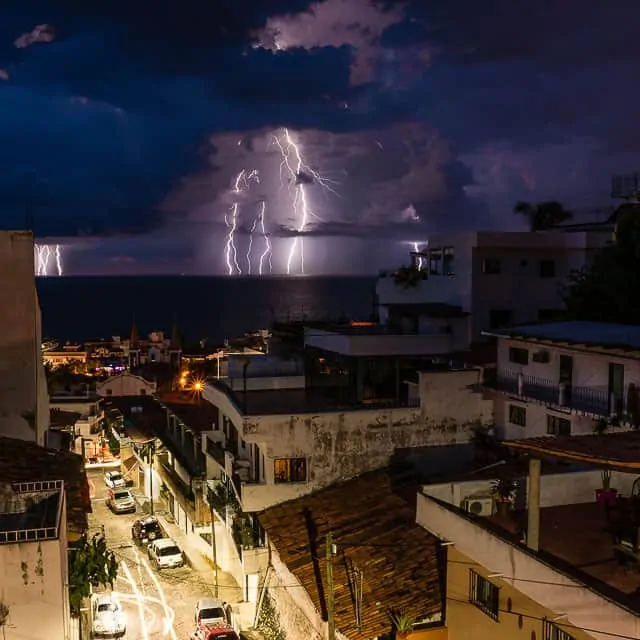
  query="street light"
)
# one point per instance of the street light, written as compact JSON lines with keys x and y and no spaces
{"x":197,"y":386}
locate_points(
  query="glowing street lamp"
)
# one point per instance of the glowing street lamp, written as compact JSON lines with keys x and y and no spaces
{"x":197,"y":386}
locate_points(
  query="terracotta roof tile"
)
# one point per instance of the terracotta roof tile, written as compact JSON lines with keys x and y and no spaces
{"x":375,"y":532}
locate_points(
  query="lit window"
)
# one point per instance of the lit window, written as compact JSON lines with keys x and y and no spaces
{"x":290,"y":470}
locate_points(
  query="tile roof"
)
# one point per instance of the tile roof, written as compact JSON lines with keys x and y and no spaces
{"x":24,"y":461}
{"x":375,"y":532}
{"x":616,"y":450}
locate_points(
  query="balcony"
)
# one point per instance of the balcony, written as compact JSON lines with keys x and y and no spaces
{"x":596,"y":401}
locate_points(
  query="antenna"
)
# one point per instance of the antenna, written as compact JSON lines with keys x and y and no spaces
{"x":626,"y":187}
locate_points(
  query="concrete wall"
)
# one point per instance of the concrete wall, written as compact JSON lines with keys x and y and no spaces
{"x":23,"y":386}
{"x":33,"y":584}
{"x":125,"y":384}
{"x":339,"y":446}
{"x":298,"y":616}
{"x":520,"y":617}
{"x":522,"y":570}
{"x":555,"y":489}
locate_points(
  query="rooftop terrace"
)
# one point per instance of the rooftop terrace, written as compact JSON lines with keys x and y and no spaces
{"x":30,"y":511}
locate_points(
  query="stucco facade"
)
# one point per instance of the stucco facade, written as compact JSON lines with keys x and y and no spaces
{"x":340,"y":445}
{"x":24,"y":402}
{"x":125,"y":384}
{"x":34,"y":582}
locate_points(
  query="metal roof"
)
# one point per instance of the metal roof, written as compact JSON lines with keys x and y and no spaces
{"x":598,"y":334}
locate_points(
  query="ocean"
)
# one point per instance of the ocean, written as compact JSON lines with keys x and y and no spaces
{"x":81,"y":308}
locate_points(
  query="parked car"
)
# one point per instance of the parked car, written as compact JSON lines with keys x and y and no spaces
{"x":210,"y":611}
{"x":121,"y":501}
{"x":214,"y":632}
{"x":165,"y":554}
{"x":108,"y":617}
{"x":114,"y":479}
{"x":146,"y":530}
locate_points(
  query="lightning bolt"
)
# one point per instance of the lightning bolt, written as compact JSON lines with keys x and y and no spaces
{"x":242,"y":182}
{"x":294,"y":165}
{"x":267,"y":243}
{"x":58,"y":256}
{"x":416,"y":248}
{"x":43,"y":254}
{"x":253,"y":228}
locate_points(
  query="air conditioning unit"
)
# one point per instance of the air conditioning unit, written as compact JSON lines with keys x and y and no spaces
{"x":478,"y":505}
{"x":540,"y":356}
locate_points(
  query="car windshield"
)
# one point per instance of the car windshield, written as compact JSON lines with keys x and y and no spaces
{"x":121,"y":495}
{"x":212,"y":613}
{"x":109,"y":606}
{"x":169,"y":551}
{"x":115,"y":477}
{"x":222,"y":636}
{"x":151,"y":528}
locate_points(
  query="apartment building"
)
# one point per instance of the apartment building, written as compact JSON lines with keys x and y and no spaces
{"x":89,"y":410}
{"x":24,"y":403}
{"x":565,"y":378}
{"x":501,"y":279}
{"x":557,"y":565}
{"x":33,"y":560}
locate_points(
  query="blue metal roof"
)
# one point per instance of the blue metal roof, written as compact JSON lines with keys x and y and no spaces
{"x":577,"y":332}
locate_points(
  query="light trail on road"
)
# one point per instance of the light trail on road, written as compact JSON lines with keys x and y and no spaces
{"x":138,"y":596}
{"x":168,"y":611}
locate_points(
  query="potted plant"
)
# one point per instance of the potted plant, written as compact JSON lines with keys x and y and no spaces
{"x":606,"y":496}
{"x":402,"y":624}
{"x":503,"y":490}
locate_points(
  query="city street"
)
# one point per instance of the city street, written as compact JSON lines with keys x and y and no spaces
{"x":158,"y":604}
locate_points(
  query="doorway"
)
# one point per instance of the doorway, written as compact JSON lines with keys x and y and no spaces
{"x":616,"y":388}
{"x":566,"y":376}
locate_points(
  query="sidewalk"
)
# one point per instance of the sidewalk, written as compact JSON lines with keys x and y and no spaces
{"x":228,"y":588}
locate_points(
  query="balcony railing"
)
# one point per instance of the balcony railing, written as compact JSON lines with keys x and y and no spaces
{"x":216,"y":451}
{"x":598,"y":401}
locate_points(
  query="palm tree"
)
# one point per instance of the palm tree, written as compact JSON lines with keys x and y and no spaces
{"x":543,"y":215}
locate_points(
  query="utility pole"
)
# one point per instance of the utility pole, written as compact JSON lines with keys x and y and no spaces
{"x":331,"y":624}
{"x":150,"y":456}
{"x":213,"y":549}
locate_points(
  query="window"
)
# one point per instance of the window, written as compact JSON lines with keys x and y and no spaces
{"x":500,"y":318}
{"x":547,"y":269}
{"x":517,"y":415}
{"x":549,"y":315}
{"x":491,"y":266}
{"x":557,"y":426}
{"x":290,"y":470}
{"x":143,"y":392}
{"x":109,"y":392}
{"x":447,"y":261}
{"x":552,"y":631}
{"x":435,"y":262}
{"x":518,"y":356}
{"x":484,"y":594}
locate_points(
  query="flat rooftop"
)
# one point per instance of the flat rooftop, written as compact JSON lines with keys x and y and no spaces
{"x":293,"y":401}
{"x":195,"y":412}
{"x":30,"y":511}
{"x":591,"y":334}
{"x":578,"y":540}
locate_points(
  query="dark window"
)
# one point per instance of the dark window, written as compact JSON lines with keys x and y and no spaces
{"x":143,"y":392}
{"x":549,"y":315}
{"x":109,"y":392}
{"x":547,"y":269}
{"x":552,"y":631}
{"x":518,"y":356}
{"x":557,"y":426}
{"x":290,"y":469}
{"x":491,"y":266}
{"x":435,"y":262}
{"x":499,"y":318}
{"x":484,"y":594}
{"x":517,"y":415}
{"x":447,"y":261}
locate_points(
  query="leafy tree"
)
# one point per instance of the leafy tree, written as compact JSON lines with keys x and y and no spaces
{"x":543,"y":215}
{"x":608,"y":289}
{"x":91,"y":564}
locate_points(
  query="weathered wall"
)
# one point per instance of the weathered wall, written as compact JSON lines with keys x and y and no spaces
{"x":23,"y":388}
{"x":297,"y":615}
{"x":126,"y":384}
{"x":32,"y":580}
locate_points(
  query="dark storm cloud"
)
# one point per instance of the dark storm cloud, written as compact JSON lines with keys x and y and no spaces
{"x":136,"y":117}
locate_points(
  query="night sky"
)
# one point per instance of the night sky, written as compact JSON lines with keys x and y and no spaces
{"x":124,"y":125}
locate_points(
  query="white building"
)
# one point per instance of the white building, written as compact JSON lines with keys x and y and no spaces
{"x":565,"y":378}
{"x":89,"y":408}
{"x":24,"y":402}
{"x":34,"y":583}
{"x":125,"y":384}
{"x":552,"y":567}
{"x":500,"y":278}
